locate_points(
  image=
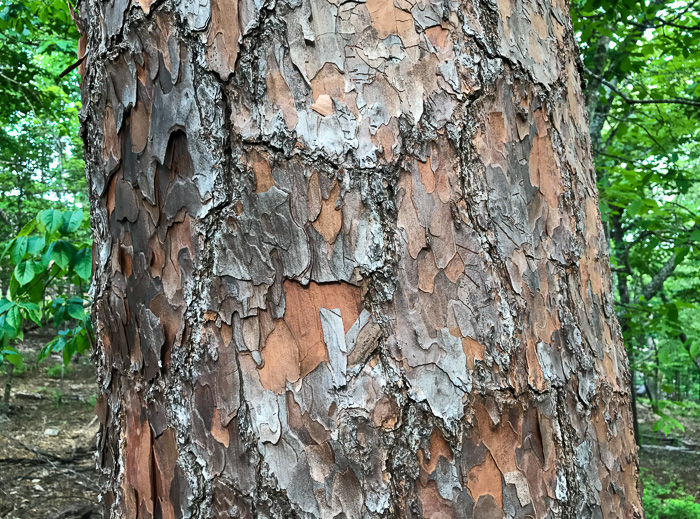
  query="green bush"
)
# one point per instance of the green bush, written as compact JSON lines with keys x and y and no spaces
{"x":667,"y":502}
{"x":18,"y":370}
{"x":55,"y":371}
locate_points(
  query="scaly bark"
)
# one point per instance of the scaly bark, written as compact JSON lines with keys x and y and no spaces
{"x":349,"y":263}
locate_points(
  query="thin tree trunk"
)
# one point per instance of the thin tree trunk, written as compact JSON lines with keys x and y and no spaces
{"x":349,"y":263}
{"x":9,"y":372}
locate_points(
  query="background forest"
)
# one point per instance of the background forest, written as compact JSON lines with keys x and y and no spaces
{"x":641,"y":60}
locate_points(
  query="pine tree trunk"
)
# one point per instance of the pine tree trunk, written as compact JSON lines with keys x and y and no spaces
{"x":349,"y":263}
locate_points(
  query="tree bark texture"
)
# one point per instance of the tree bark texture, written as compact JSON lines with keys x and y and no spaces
{"x":349,"y":263}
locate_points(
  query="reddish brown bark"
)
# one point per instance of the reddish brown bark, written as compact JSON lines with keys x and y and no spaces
{"x":350,"y":263}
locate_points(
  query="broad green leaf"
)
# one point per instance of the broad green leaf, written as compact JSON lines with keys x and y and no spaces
{"x":13,"y":318}
{"x":695,"y":350}
{"x":82,"y":344}
{"x":635,"y":207}
{"x":28,"y":228}
{"x":59,"y":317}
{"x":33,"y":311}
{"x":48,"y":253}
{"x":19,"y":250}
{"x":14,"y":358}
{"x":4,"y":305}
{"x":63,"y":253}
{"x":36,"y":244}
{"x":69,"y":351}
{"x":76,"y":311}
{"x":83,"y":264}
{"x":51,"y":220}
{"x":13,"y":289}
{"x":25,"y":272}
{"x":72,"y":222}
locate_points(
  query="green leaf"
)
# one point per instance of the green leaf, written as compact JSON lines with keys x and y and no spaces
{"x":25,"y":272}
{"x":59,"y":344}
{"x":51,"y":220}
{"x":681,"y":253}
{"x":19,"y":250}
{"x":76,"y":311}
{"x":33,"y":311}
{"x":63,"y":253}
{"x":69,"y":351}
{"x":28,"y":227}
{"x":82,"y":344}
{"x":83,"y":264}
{"x":14,"y":319}
{"x":72,"y":222}
{"x":14,"y":357}
{"x":48,"y":253}
{"x":694,"y":350}
{"x":36,"y":244}
{"x":4,"y":305}
{"x":14,"y":287}
{"x":47,"y":349}
{"x":635,"y":207}
{"x":59,"y":317}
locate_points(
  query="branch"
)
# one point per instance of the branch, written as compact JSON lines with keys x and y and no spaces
{"x":5,"y":219}
{"x":657,"y":282}
{"x":72,"y":67}
{"x":629,"y":100}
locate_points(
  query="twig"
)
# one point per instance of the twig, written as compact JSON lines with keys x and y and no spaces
{"x":79,"y":453}
{"x":72,"y":67}
{"x":629,"y":100}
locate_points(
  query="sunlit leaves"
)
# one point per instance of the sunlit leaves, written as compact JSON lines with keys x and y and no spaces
{"x":25,"y":272}
{"x":19,"y":249}
{"x":48,"y":259}
{"x":63,"y":253}
{"x":648,"y":171}
{"x":50,"y":220}
{"x":83,"y":264}
{"x":71,"y":221}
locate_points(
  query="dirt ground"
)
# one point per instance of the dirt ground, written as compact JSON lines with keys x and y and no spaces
{"x":47,"y":442}
{"x":673,"y":458}
{"x":47,"y":465}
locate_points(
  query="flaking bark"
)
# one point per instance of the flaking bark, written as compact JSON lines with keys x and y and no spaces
{"x":349,"y":263}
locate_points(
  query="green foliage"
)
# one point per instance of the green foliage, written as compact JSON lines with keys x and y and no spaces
{"x":666,"y":422}
{"x":40,"y":148}
{"x":643,"y":95}
{"x":59,"y":371}
{"x":52,"y":268}
{"x":18,"y":370}
{"x":667,"y":502}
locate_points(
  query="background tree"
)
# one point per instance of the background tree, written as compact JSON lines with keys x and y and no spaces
{"x":350,"y":263}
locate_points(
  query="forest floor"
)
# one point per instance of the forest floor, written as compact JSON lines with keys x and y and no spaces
{"x":47,"y":441}
{"x":671,"y":461}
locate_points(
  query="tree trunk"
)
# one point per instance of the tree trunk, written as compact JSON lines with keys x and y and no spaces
{"x":349,"y":263}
